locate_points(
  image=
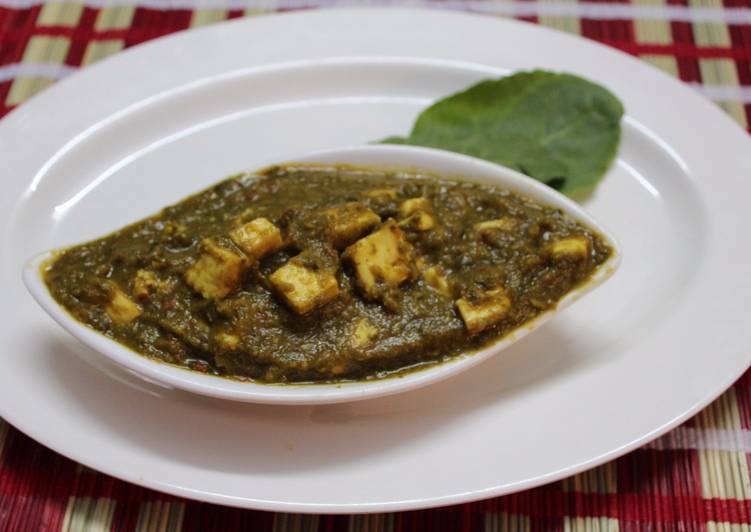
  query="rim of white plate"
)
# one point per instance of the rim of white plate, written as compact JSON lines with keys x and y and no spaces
{"x":33,"y":115}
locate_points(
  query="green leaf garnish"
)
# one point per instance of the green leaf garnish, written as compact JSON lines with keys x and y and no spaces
{"x":557,"y":128}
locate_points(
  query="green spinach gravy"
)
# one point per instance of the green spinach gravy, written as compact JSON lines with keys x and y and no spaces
{"x":313,"y":273}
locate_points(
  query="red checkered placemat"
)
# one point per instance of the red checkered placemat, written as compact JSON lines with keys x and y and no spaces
{"x":695,"y":478}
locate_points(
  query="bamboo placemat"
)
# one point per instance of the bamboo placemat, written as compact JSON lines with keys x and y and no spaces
{"x":694,"y":478}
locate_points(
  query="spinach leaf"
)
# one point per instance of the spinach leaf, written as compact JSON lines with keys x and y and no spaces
{"x":557,"y":128}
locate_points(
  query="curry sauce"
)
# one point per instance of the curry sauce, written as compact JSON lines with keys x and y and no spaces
{"x":320,"y":273}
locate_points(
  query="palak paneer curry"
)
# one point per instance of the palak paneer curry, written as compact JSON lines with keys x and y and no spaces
{"x":309,"y":273}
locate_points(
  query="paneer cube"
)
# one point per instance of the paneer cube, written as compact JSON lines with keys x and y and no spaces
{"x":144,"y":285}
{"x":364,"y":333}
{"x":227,"y":341}
{"x":120,"y":308}
{"x":501,"y":224}
{"x":419,"y":221}
{"x":570,"y":248}
{"x":383,"y":257}
{"x":381,"y":194}
{"x":413,"y":205}
{"x":217,"y":272}
{"x":304,"y":287}
{"x":348,"y":222}
{"x":417,"y":214}
{"x":436,"y":279}
{"x":257,"y":238}
{"x":480,"y":313}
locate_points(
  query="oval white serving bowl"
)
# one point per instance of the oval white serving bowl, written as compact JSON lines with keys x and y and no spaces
{"x":439,"y":162}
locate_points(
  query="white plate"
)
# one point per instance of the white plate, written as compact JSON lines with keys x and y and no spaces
{"x":387,"y":157}
{"x":667,"y":334}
